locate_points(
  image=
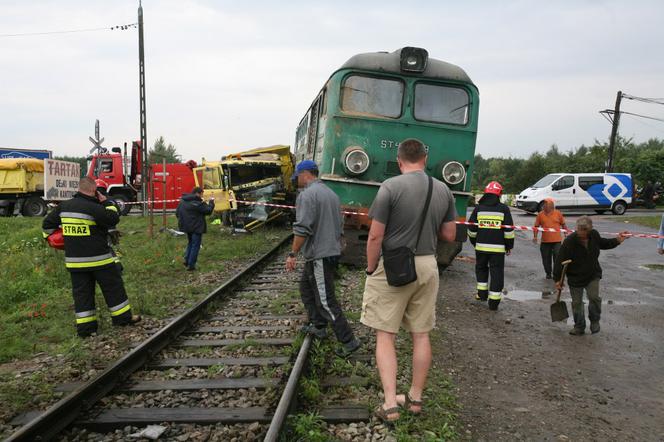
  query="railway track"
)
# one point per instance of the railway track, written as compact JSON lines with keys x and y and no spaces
{"x":229,"y":367}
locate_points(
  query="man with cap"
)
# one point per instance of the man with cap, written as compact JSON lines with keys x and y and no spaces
{"x":318,"y":231}
{"x":191,"y":212}
{"x":492,"y":241}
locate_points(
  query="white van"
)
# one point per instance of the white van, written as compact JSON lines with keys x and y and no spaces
{"x":597,"y":191}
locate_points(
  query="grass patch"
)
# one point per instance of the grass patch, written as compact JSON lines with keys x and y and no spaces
{"x":438,"y":422}
{"x":654,"y":266}
{"x":648,"y":221}
{"x":35,"y":292}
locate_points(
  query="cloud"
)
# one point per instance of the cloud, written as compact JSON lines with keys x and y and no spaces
{"x":227,"y":75}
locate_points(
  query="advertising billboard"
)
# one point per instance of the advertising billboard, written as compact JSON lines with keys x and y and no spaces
{"x":60,"y":179}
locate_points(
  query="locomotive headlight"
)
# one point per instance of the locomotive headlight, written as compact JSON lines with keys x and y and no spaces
{"x":454,"y":172}
{"x":356,"y":161}
{"x":413,"y":59}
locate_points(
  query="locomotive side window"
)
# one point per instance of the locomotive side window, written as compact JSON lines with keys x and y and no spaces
{"x":441,"y":104}
{"x":371,"y":96}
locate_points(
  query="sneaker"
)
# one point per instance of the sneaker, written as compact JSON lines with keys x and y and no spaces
{"x":348,"y":348}
{"x":191,"y":269}
{"x":594,"y":327}
{"x":577,"y":331}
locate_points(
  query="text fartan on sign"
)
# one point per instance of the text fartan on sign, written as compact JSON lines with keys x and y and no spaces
{"x":60,"y":179}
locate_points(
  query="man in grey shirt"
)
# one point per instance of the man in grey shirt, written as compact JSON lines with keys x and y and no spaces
{"x":317,"y":232}
{"x":396,"y":214}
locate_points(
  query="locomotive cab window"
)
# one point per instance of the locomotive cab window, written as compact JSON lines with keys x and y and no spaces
{"x":441,"y":104}
{"x":379,"y":97}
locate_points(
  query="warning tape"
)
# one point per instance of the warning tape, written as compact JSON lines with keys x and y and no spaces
{"x":467,"y":223}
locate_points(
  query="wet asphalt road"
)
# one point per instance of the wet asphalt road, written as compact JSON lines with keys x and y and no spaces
{"x":522,"y":377}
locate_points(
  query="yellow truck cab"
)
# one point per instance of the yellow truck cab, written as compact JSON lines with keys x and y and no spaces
{"x":259,"y":175}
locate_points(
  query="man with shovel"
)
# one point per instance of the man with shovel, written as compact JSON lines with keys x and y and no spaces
{"x":584,"y":272}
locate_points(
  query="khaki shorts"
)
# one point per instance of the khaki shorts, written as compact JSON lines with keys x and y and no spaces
{"x":412,"y":306}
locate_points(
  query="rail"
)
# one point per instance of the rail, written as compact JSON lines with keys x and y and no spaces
{"x":64,"y":412}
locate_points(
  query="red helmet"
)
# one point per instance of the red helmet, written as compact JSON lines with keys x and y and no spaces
{"x":494,"y":187}
{"x":56,"y":240}
{"x":101,"y":183}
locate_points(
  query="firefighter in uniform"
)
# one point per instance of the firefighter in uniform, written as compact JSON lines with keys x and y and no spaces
{"x":85,"y":221}
{"x":492,"y":242}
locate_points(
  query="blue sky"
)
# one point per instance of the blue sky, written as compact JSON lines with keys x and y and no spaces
{"x":224,"y":75}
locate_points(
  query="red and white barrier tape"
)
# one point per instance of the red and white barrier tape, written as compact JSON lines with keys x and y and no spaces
{"x":467,"y":223}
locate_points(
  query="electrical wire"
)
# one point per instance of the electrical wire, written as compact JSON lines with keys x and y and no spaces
{"x":644,"y":100}
{"x":71,"y":31}
{"x":643,"y":116}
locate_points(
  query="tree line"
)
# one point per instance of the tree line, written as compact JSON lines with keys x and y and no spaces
{"x":645,"y":161}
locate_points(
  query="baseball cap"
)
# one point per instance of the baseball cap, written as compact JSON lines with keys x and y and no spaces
{"x":304,"y":165}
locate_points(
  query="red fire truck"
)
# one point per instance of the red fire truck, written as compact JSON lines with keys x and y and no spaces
{"x":122,"y":173}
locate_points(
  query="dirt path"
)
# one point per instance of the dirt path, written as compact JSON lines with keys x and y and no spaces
{"x":522,"y":377}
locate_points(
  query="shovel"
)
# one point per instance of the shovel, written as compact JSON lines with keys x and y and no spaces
{"x":559,"y":309}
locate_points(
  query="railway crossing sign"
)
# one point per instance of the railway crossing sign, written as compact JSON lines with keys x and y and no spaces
{"x":96,"y":141}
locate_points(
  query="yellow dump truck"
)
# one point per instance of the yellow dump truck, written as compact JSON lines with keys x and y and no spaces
{"x":22,"y":186}
{"x":260,"y":176}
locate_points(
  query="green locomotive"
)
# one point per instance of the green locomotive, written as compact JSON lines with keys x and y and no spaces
{"x":372,"y":103}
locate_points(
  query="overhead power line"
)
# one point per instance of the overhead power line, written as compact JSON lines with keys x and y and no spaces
{"x":72,"y":31}
{"x":643,"y":116}
{"x":644,"y":100}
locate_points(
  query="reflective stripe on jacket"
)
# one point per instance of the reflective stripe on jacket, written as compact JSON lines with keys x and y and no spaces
{"x":489,"y":235}
{"x":85,"y":223}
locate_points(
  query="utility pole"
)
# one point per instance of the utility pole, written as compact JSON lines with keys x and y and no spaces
{"x":614,"y":132}
{"x":145,"y":172}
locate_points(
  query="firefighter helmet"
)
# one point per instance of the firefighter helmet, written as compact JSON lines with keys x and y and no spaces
{"x":56,"y":240}
{"x":494,"y":187}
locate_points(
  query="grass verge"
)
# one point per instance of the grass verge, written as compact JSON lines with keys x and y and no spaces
{"x":37,"y":315}
{"x":648,"y":221}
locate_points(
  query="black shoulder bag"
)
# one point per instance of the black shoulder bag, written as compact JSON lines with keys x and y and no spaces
{"x":399,"y":263}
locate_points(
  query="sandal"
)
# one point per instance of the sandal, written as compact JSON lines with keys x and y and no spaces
{"x":383,"y":415}
{"x":408,"y":402}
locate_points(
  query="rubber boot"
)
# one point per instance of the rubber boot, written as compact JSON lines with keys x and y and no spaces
{"x":493,"y":304}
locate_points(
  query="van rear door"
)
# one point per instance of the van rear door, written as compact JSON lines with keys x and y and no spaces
{"x":563,"y":191}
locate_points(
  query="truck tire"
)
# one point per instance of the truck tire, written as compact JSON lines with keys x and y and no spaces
{"x":121,"y":200}
{"x":619,"y":208}
{"x":34,"y":206}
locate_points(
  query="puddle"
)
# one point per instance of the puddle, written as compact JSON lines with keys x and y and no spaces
{"x":528,"y":295}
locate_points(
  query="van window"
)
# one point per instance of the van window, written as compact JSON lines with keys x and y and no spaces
{"x":545,"y":181}
{"x":586,"y":181}
{"x":564,"y":183}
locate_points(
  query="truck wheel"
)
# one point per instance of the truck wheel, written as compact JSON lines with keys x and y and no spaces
{"x":619,"y":208}
{"x":121,"y":201}
{"x":34,"y":206}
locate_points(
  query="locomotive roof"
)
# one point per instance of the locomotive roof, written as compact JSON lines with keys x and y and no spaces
{"x":390,"y":62}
